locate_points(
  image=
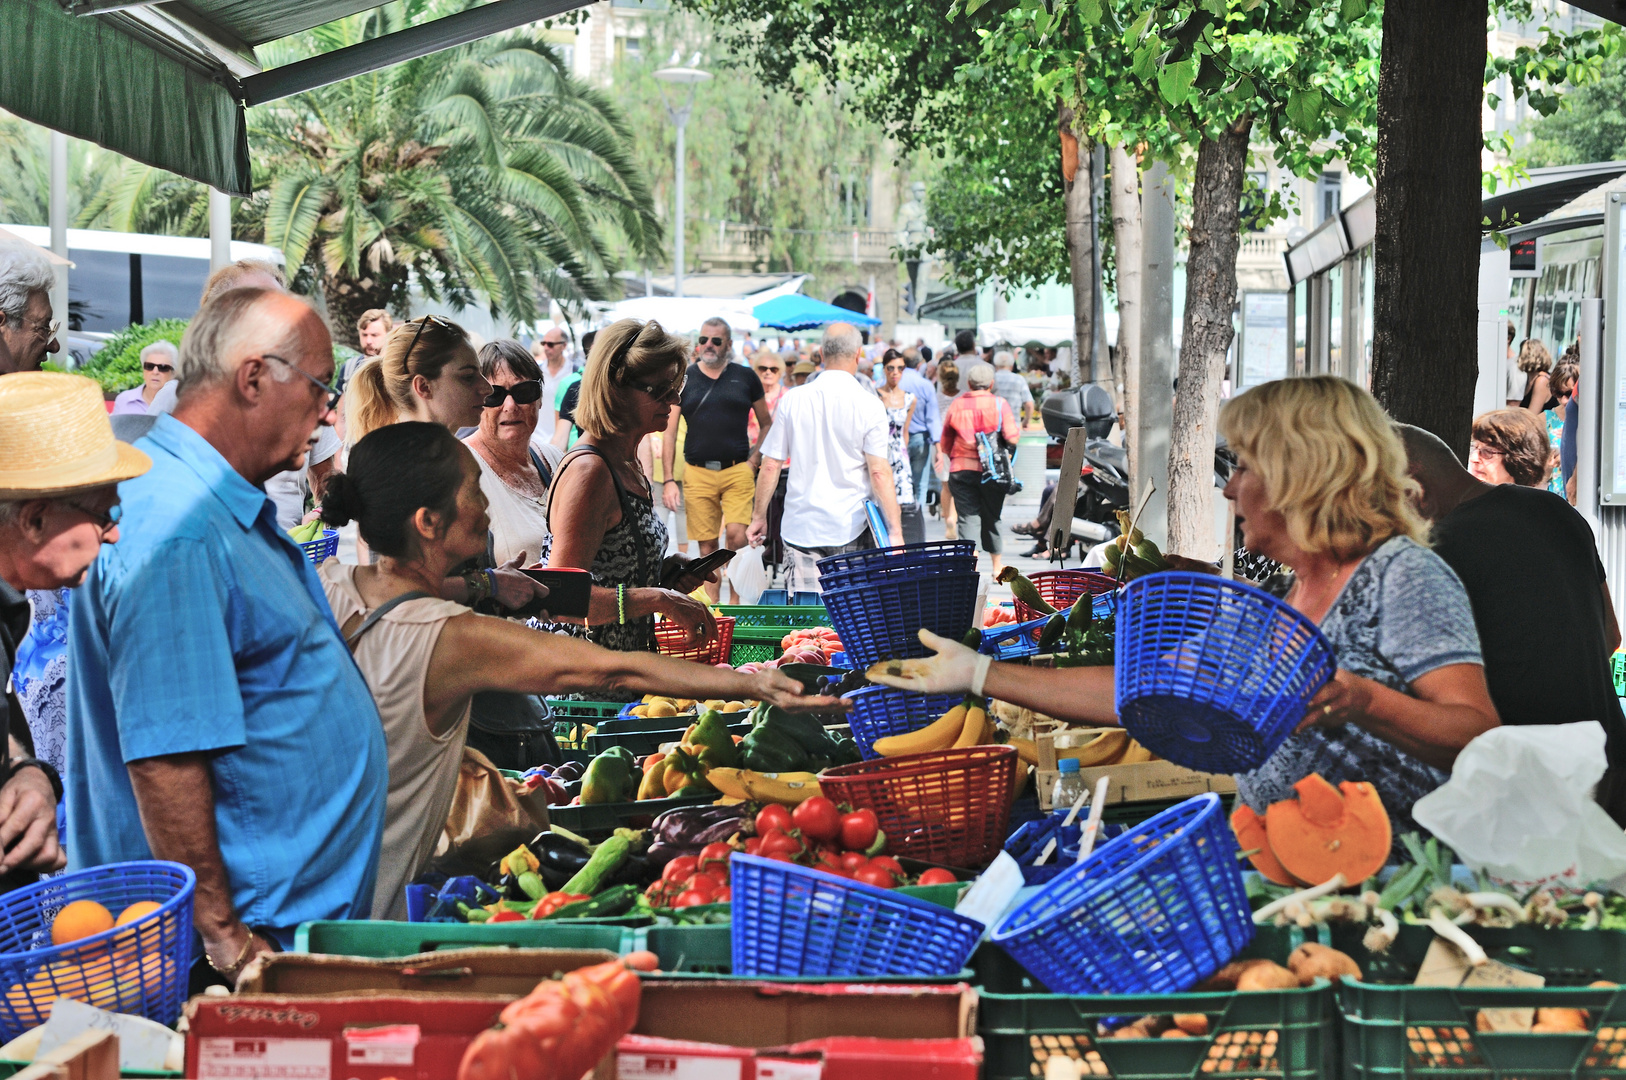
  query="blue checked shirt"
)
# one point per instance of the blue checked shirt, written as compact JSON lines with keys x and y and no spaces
{"x":205,"y":629}
{"x":926,"y":418}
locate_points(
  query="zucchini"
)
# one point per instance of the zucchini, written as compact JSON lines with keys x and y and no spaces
{"x":606,"y":857}
{"x":614,"y":901}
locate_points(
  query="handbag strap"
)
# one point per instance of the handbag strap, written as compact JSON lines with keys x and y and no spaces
{"x":542,"y":469}
{"x":382,"y":610}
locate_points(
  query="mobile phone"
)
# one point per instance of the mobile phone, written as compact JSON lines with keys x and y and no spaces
{"x":702,"y":567}
{"x":570,"y":592}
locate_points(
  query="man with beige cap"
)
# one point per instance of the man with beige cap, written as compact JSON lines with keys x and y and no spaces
{"x":59,"y":503}
{"x":215,"y":716}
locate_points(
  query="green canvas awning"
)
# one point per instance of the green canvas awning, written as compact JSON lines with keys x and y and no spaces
{"x":166,"y":83}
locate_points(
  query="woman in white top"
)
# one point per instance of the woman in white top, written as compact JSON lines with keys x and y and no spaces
{"x":515,"y":470}
{"x":414,"y":491}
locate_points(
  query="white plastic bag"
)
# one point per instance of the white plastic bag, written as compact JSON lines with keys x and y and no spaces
{"x":1519,"y":806}
{"x":746,"y":575}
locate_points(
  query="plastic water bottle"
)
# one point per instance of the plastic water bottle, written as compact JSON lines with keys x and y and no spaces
{"x":1069,"y":785}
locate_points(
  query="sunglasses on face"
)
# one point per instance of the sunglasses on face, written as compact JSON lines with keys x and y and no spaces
{"x":524,"y":393}
{"x":718,"y":341}
{"x":149,"y":366}
{"x":764,"y":369}
{"x":553,"y":344}
{"x":668,"y":392}
{"x":894,"y":367}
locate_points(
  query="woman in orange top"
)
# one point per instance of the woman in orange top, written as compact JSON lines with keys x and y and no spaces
{"x":979,"y":504}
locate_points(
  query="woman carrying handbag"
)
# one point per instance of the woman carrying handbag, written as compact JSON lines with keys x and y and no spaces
{"x":978,"y":430}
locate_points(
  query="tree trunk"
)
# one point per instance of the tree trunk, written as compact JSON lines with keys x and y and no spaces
{"x":1426,"y":305}
{"x":346,"y":298}
{"x":1206,"y":335}
{"x":1080,"y":241}
{"x":1126,"y":233}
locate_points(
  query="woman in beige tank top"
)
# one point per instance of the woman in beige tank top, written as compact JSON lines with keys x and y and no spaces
{"x":414,"y":492}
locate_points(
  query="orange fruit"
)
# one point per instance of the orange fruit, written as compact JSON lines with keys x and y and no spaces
{"x":137,"y":910}
{"x":80,"y":919}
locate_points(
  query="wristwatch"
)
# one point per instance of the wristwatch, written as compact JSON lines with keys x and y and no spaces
{"x":43,"y":766}
{"x":479,"y":585}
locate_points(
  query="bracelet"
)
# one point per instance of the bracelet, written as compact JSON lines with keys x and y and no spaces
{"x":478,"y":584}
{"x":621,"y":604}
{"x":491,"y":581}
{"x":43,"y":766}
{"x":984,"y":662}
{"x":669,"y":480}
{"x":236,"y":965}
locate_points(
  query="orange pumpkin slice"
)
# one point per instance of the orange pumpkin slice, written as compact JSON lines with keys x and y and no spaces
{"x":1328,"y":830}
{"x":1249,"y":828}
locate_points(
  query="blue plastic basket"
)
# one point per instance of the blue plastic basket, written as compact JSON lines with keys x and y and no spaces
{"x":1028,"y":843}
{"x":1211,"y":673}
{"x":1154,"y":911}
{"x":882,"y":621}
{"x":140,"y":968}
{"x":879,"y":711}
{"x":1014,"y":640}
{"x":792,"y":920}
{"x":911,"y":560}
{"x":323,"y":548}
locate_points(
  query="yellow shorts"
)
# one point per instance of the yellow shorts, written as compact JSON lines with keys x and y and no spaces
{"x":711,"y":498}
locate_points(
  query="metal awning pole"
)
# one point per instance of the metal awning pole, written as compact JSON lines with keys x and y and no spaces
{"x":219,"y":230}
{"x":58,"y":213}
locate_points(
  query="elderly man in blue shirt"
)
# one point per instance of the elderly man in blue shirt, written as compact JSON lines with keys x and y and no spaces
{"x":926,"y":426}
{"x":216,"y":717}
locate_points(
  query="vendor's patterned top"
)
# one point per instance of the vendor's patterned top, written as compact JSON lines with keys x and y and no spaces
{"x":1402,"y":614}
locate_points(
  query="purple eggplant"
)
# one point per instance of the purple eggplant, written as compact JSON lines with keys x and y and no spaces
{"x":683,"y":826}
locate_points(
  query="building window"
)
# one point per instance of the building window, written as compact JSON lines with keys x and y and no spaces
{"x":1329,"y":196}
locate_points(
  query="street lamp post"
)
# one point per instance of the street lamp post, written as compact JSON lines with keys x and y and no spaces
{"x":688,"y":77}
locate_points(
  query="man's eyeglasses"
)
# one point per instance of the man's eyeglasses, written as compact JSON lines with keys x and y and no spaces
{"x":329,"y":394}
{"x":147,"y":365}
{"x":718,"y":341}
{"x":524,"y":393}
{"x":105,"y":520}
{"x":553,"y":344}
{"x":45,"y":329}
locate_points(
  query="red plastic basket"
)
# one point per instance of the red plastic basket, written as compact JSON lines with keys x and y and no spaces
{"x":948,"y":806}
{"x":1061,"y":587}
{"x":672,"y":640}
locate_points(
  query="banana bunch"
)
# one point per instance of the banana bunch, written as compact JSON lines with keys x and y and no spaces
{"x":1131,"y":555}
{"x":1110,"y":747}
{"x":786,"y":789}
{"x":965,"y":725}
{"x":304,"y":534}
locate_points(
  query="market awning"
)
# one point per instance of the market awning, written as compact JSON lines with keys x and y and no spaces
{"x":166,"y":83}
{"x":798,"y":312}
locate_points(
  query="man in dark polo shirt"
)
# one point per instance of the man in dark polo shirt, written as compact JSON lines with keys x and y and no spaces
{"x":720,"y":481}
{"x":1541,"y":603}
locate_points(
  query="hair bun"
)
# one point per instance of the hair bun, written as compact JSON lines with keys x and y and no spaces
{"x":341,"y":502}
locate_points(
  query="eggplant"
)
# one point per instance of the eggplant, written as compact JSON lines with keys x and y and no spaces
{"x":719,"y":832}
{"x":570,"y":770}
{"x":660,"y":854}
{"x":682,"y":825}
{"x":558,"y":853}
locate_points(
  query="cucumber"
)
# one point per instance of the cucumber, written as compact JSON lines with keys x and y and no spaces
{"x":617,"y":900}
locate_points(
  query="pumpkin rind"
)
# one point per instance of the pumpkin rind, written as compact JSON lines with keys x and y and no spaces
{"x":1250,"y":832}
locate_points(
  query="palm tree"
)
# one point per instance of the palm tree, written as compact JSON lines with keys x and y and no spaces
{"x":486,"y":170}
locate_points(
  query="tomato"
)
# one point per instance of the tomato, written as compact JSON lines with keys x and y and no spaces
{"x":858,"y":830}
{"x":700,"y":883}
{"x":780,"y":856}
{"x":828,"y":860}
{"x":888,"y":863}
{"x":778,"y":843}
{"x":753,"y":844}
{"x":818,"y":818}
{"x":877,"y":876}
{"x":937,"y":876}
{"x":505,"y":915}
{"x":853,"y":860}
{"x":725,"y":895}
{"x":681,"y":868}
{"x":717,"y":853}
{"x":718,"y":873}
{"x":692,"y":898}
{"x":771,"y":817}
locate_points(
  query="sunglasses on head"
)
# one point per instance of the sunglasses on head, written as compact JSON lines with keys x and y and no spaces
{"x":524,"y":393}
{"x":148,"y":365}
{"x":719,"y":341}
{"x":423,"y":322}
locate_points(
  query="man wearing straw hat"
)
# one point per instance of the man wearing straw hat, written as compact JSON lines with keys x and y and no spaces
{"x":59,"y":503}
{"x":215,"y":716}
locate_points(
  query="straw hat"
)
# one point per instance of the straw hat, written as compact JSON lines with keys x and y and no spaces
{"x":55,"y":437}
{"x":804,"y":367}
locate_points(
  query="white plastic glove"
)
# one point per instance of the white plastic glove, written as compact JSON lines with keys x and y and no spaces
{"x":954,"y":670}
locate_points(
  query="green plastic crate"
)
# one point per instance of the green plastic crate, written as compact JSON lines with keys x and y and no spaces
{"x":381,"y":939}
{"x":1279,"y":1034}
{"x":782,"y":616}
{"x":564,"y":708}
{"x":647,"y":740}
{"x":1393,"y":1029}
{"x":736,"y":721}
{"x":756,"y":644}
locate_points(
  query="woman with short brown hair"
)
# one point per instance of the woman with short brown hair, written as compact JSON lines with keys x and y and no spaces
{"x":601,"y":511}
{"x":1510,"y":447}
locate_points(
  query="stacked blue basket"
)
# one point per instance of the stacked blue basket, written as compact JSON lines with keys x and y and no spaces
{"x":1154,"y":911}
{"x":1211,"y":673}
{"x":792,"y":920}
{"x":323,"y":548}
{"x":880,"y":711}
{"x":139,"y":968}
{"x":880,"y":599}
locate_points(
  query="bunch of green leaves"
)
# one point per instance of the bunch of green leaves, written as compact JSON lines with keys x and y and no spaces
{"x":117,"y":364}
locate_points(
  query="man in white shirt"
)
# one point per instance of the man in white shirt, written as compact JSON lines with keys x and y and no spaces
{"x":835,"y":431}
{"x":550,"y":354}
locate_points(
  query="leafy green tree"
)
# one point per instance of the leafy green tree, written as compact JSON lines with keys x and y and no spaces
{"x":482,"y":170}
{"x":1590,"y":124}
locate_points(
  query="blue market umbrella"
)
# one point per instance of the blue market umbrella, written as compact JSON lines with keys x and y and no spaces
{"x":798,"y":312}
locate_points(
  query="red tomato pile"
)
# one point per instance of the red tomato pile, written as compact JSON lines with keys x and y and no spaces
{"x":818,"y":834}
{"x":692,"y":880}
{"x":809,"y":645}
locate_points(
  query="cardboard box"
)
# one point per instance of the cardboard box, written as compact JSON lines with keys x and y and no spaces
{"x":739,"y":1012}
{"x":514,"y":972}
{"x":640,"y":1057}
{"x":1144,"y":781}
